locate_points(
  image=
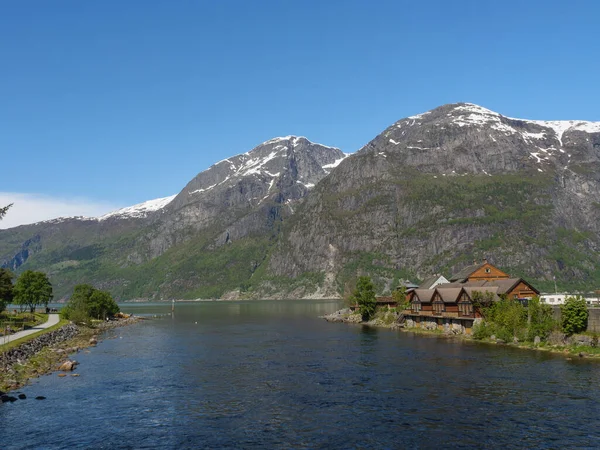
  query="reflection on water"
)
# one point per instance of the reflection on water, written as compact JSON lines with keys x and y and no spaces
{"x":273,"y":375}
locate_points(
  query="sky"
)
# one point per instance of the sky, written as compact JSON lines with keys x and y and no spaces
{"x":105,"y":104}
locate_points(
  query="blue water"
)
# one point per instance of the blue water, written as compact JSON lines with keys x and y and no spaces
{"x":273,"y":375}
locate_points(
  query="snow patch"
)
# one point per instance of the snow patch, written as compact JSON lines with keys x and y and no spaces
{"x":140,"y":210}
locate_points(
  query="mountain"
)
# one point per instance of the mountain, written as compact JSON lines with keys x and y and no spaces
{"x":434,"y":191}
{"x":208,"y":239}
{"x":292,"y":219}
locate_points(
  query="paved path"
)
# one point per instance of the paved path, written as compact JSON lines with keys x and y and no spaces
{"x":53,"y":319}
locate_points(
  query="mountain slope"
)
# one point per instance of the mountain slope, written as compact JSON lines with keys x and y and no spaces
{"x":177,"y":246}
{"x":436,"y":190}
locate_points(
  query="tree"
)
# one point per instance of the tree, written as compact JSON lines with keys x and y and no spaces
{"x":32,"y":289}
{"x":540,"y":319}
{"x":88,"y":302}
{"x":574,"y":315}
{"x":6,"y":288}
{"x":364,"y":296}
{"x":102,"y":305}
{"x":4,"y":210}
{"x":399,"y":296}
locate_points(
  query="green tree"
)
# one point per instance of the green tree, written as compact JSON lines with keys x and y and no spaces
{"x":6,"y":288}
{"x":540,"y":319}
{"x":508,"y":319}
{"x":88,"y":302}
{"x":574,"y":314}
{"x":364,"y":296}
{"x":399,"y":296}
{"x":32,"y":289}
{"x":102,"y":305}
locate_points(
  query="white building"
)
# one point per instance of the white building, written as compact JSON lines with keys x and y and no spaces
{"x":559,"y":299}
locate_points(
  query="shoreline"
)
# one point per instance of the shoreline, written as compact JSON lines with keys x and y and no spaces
{"x":52,"y":357}
{"x":569,"y":350}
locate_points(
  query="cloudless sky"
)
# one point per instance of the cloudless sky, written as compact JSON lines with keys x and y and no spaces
{"x":112,"y":103}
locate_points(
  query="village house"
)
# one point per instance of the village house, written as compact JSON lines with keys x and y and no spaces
{"x":452,"y":306}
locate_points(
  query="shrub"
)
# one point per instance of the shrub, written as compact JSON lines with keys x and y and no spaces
{"x":574,"y":315}
{"x":508,"y":319}
{"x":541,"y":322}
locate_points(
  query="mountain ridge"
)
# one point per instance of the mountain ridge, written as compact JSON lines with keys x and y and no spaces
{"x":291,"y":218}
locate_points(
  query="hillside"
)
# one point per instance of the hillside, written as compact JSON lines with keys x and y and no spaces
{"x":203,"y":242}
{"x":291,"y":218}
{"x":434,"y":191}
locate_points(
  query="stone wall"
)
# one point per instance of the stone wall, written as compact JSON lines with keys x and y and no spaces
{"x":28,"y":349}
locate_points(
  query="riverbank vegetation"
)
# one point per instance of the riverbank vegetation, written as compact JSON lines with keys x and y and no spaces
{"x":89,"y":303}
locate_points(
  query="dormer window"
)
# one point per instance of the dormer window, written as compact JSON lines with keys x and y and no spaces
{"x":488,"y":270}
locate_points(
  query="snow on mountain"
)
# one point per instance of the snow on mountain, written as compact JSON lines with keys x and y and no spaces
{"x":140,"y":210}
{"x":471,"y":114}
{"x":268,"y":162}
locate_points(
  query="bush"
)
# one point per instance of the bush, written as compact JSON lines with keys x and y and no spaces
{"x":506,"y":319}
{"x":481,"y":330}
{"x":541,"y":322}
{"x":574,"y":315}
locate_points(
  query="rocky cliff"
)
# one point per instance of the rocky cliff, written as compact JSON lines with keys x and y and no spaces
{"x":434,"y":191}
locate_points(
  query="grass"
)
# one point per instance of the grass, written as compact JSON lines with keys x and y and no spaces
{"x":21,"y":321}
{"x":13,"y":344}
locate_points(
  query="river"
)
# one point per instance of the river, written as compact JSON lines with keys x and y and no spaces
{"x":272,"y":375}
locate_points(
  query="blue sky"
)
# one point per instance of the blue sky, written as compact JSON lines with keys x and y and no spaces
{"x":110,"y":103}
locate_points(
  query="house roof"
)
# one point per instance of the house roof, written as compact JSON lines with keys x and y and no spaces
{"x":449,"y":295}
{"x":483,"y":289}
{"x":459,"y":284}
{"x":424,"y":295}
{"x":428,"y":282}
{"x":464,"y":273}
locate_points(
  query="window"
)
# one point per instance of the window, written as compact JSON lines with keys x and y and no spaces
{"x":465,"y":309}
{"x":416,"y":306}
{"x":488,"y":270}
{"x":438,"y":307}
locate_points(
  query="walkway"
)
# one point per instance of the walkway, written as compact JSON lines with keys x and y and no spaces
{"x":53,"y":319}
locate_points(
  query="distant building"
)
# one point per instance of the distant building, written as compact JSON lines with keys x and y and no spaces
{"x":559,"y":299}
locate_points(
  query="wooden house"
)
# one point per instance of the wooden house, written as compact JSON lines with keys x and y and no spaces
{"x":477,"y":272}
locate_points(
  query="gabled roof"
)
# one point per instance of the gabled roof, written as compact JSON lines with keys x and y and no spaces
{"x":449,"y":295}
{"x":424,"y":295}
{"x":428,"y":283}
{"x":458,"y":284}
{"x":483,"y":289}
{"x":464,"y":273}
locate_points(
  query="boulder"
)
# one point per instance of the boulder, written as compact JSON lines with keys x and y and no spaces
{"x":537,"y":340}
{"x":93,"y":340}
{"x":22,"y":396}
{"x":67,"y":366}
{"x":40,"y":397}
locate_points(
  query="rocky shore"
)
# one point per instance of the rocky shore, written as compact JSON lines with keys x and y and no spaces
{"x":50,"y":352}
{"x":386,"y":318}
{"x":579,"y":345}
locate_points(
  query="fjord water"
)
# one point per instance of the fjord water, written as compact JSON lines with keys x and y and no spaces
{"x":273,"y":375}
